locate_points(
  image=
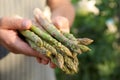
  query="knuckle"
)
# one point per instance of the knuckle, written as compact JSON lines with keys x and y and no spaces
{"x":8,"y":42}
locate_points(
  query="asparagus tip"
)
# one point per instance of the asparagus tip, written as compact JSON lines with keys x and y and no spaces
{"x":85,"y":41}
{"x":38,"y":12}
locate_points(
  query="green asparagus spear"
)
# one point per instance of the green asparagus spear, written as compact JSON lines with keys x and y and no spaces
{"x":51,"y":40}
{"x":57,"y":59}
{"x":50,"y":28}
{"x":37,"y":40}
{"x":83,"y":41}
{"x":69,"y":36}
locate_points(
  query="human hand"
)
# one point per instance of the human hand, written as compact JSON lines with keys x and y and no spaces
{"x":61,"y":23}
{"x":9,"y":37}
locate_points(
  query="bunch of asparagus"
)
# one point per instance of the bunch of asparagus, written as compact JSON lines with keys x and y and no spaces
{"x":62,"y":48}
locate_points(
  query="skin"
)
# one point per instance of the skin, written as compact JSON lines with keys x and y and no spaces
{"x":8,"y":29}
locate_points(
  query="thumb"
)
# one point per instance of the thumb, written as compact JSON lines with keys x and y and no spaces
{"x":15,"y":23}
{"x":61,"y":23}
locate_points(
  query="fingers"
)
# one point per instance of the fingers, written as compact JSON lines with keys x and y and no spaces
{"x":52,"y":65}
{"x":13,"y":43}
{"x":45,"y":62}
{"x":61,"y":23}
{"x":39,"y":60}
{"x":15,"y":23}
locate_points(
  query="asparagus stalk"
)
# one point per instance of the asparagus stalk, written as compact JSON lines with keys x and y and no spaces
{"x":66,"y":70}
{"x":39,"y":49}
{"x":60,"y":61}
{"x":51,"y":40}
{"x":37,"y":40}
{"x":70,"y":64}
{"x":83,"y":41}
{"x":69,"y":36}
{"x":57,"y":59}
{"x":50,"y":28}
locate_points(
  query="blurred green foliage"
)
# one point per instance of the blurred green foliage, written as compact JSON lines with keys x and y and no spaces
{"x":103,"y":62}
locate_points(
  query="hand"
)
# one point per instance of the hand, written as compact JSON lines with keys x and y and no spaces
{"x":61,"y":23}
{"x":9,"y":37}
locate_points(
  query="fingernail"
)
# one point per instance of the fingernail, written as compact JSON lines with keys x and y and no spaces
{"x":26,"y":23}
